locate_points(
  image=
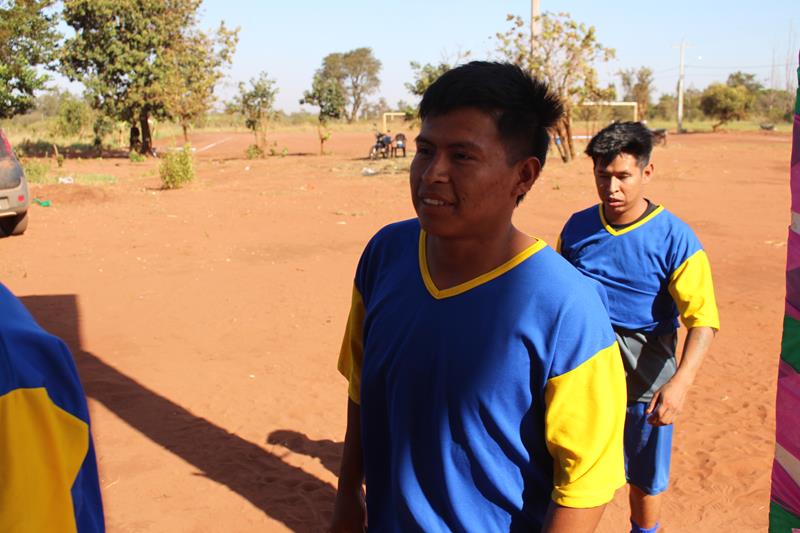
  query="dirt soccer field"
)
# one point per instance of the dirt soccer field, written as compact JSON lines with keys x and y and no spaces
{"x":206,"y":321}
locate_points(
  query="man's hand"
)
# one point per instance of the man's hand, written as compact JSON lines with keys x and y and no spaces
{"x":350,"y":509}
{"x":667,"y":402}
{"x":349,"y":512}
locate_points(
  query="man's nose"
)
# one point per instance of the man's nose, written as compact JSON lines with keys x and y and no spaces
{"x":437,"y":169}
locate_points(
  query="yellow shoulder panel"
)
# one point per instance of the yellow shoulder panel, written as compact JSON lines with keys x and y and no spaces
{"x":692,"y":290}
{"x":43,"y":448}
{"x":584,"y":424}
{"x":351,"y":355}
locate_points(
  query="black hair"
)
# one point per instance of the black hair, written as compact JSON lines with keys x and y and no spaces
{"x":632,"y":138}
{"x":522,"y":107}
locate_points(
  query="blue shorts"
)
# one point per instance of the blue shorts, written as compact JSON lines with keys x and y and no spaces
{"x":648,"y":450}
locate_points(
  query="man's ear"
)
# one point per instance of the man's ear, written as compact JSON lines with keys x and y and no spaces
{"x":647,"y":172}
{"x":528,"y":171}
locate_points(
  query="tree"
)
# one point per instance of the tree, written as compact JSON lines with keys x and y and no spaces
{"x":724,"y":103}
{"x":742,"y":79}
{"x":27,"y":40}
{"x":196,"y":65}
{"x":74,"y":116}
{"x":255,"y":104}
{"x":637,"y":86}
{"x":326,"y":94}
{"x":561,"y":55}
{"x":425,"y":75}
{"x":665,"y":108}
{"x":125,"y":51}
{"x":356,"y":72}
{"x":774,"y":105}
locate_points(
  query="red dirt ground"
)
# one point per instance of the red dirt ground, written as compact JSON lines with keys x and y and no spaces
{"x":206,"y":322}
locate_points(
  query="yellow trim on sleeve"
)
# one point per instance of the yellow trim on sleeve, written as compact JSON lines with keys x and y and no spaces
{"x":692,"y":289}
{"x":558,"y":245}
{"x":616,"y":232}
{"x":42,"y":448}
{"x":584,"y":425}
{"x":351,"y":355}
{"x":480,"y":280}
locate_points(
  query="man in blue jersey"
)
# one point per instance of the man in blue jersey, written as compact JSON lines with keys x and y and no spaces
{"x":47,"y":461}
{"x":654,"y":270}
{"x":486,"y":390}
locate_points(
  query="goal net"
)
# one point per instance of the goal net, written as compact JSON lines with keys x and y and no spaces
{"x":590,"y":117}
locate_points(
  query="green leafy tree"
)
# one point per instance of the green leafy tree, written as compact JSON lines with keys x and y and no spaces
{"x":356,"y":73}
{"x":637,"y":86}
{"x":255,"y":104}
{"x":425,"y":75}
{"x":563,"y":55}
{"x":742,"y":79}
{"x":196,"y":66}
{"x":125,"y":51}
{"x":665,"y":108}
{"x":74,"y":116}
{"x":326,"y":94}
{"x":725,"y":103}
{"x":774,"y":105}
{"x":27,"y":40}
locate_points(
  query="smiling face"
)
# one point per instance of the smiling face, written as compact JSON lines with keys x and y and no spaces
{"x":620,"y":186}
{"x":462,"y":184}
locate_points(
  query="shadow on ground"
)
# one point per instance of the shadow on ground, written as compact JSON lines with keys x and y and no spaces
{"x":283,"y":492}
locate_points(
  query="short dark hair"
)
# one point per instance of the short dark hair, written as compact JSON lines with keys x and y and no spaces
{"x":632,"y":138}
{"x":523,"y":107}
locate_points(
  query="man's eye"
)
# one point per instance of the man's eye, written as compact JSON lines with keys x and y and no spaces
{"x":461,"y":156}
{"x":423,"y":150}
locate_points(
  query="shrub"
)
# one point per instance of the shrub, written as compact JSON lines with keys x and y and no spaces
{"x":36,"y":171}
{"x":177,"y":168}
{"x":136,"y":157}
{"x":254,"y":152}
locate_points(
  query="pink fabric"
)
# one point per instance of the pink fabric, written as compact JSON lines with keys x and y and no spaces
{"x":784,"y":490}
{"x":788,"y":409}
{"x":795,"y":172}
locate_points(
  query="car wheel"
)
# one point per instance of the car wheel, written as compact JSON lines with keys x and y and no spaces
{"x":18,"y":224}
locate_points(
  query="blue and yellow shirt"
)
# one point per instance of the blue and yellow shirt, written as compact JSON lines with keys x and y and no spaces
{"x":653,"y":271}
{"x":48,"y":471}
{"x":483,"y":402}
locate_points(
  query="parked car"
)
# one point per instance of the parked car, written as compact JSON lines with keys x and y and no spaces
{"x":14,"y":199}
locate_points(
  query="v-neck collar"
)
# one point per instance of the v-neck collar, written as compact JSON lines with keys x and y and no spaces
{"x":480,"y":280}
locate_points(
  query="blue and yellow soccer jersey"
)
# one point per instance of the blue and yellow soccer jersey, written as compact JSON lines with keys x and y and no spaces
{"x":653,"y":271}
{"x":483,"y":402}
{"x":48,"y":472}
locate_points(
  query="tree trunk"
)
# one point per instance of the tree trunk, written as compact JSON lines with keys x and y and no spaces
{"x":185,"y":127}
{"x":556,"y":132}
{"x":321,"y":139}
{"x":568,"y":134}
{"x":144,"y":126}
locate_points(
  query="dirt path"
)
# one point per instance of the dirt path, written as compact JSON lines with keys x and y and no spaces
{"x":206,"y":322}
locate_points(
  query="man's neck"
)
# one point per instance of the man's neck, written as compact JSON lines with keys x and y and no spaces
{"x":631,"y":215}
{"x":455,"y":261}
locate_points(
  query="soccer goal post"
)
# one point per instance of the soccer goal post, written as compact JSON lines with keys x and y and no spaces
{"x":388,"y":116}
{"x":595,"y":115}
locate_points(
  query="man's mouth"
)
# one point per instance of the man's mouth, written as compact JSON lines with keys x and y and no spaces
{"x":432,"y":201}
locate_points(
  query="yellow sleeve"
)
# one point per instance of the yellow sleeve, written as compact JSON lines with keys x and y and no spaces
{"x":584,"y":424}
{"x":42,"y":448}
{"x":692,"y":290}
{"x":351,"y":356}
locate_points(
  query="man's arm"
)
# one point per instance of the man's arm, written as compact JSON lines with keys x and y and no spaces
{"x":349,"y":512}
{"x":668,"y":401}
{"x":568,"y":520}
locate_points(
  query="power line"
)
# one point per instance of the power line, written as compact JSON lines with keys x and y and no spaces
{"x":737,"y":67}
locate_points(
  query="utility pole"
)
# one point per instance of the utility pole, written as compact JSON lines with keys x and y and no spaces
{"x":681,"y":87}
{"x":536,"y":23}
